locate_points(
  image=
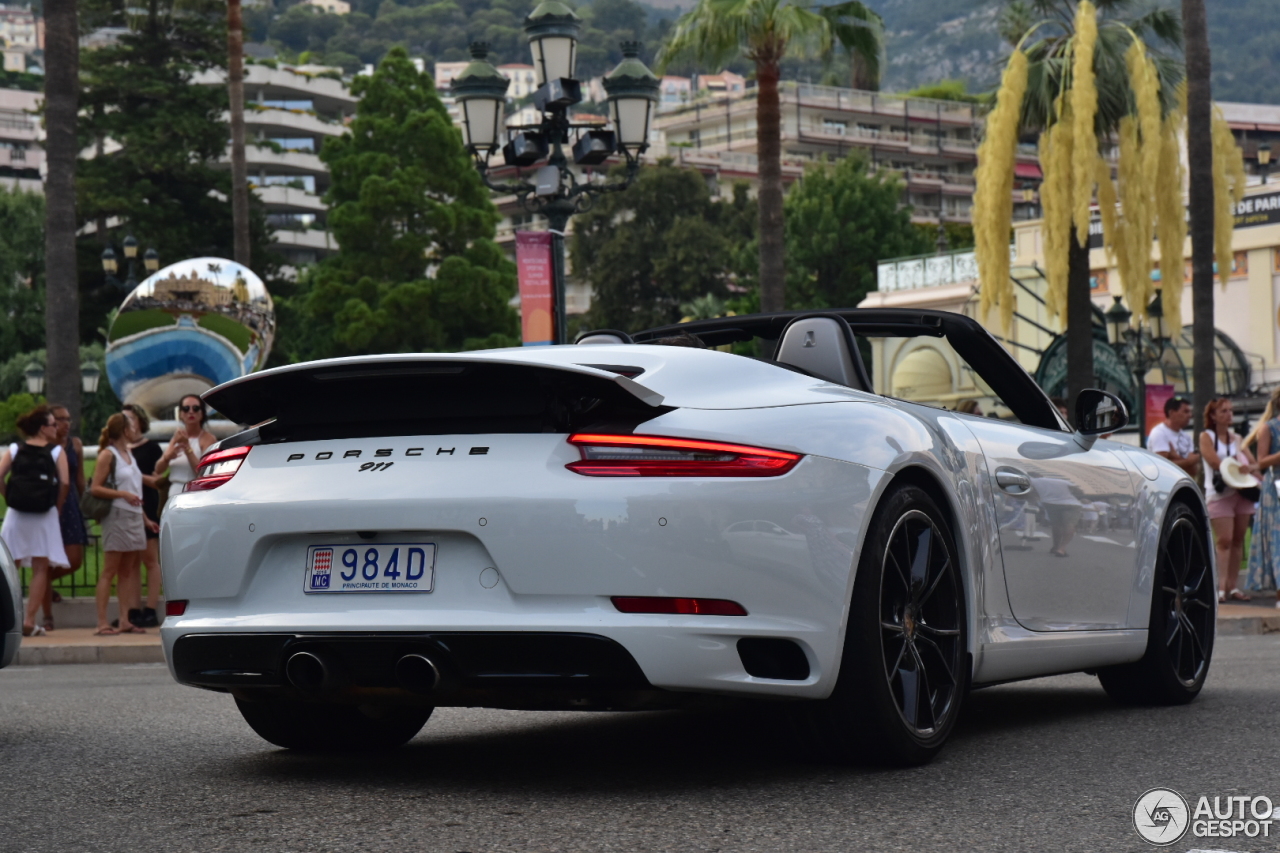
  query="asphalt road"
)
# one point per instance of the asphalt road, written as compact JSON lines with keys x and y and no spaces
{"x":118,"y":758}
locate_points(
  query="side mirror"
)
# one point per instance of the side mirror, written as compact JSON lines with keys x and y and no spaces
{"x":1099,"y":413}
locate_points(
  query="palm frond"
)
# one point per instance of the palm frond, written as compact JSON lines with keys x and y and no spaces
{"x":859,"y":30}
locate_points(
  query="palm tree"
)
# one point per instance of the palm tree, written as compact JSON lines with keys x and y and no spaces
{"x":1200,"y":202}
{"x":239,"y":167}
{"x":62,"y":298}
{"x":765,"y":32}
{"x":1046,"y":31}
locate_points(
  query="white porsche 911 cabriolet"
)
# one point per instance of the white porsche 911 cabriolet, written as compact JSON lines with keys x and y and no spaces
{"x":631,"y":524}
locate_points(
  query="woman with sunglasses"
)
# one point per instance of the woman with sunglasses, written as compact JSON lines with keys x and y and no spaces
{"x":182,"y":457}
{"x":35,"y":538}
{"x":1229,"y":512}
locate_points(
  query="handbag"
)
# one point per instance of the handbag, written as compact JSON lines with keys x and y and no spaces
{"x":94,"y":507}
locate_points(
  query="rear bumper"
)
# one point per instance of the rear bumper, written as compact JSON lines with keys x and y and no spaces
{"x":528,"y":670}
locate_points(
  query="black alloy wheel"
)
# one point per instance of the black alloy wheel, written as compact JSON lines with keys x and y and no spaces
{"x":921,"y":612}
{"x":905,"y":667}
{"x":1183,"y":621}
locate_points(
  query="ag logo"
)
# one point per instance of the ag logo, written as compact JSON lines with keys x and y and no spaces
{"x":1161,"y":816}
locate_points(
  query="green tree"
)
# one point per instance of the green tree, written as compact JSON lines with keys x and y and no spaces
{"x":840,"y":221}
{"x":418,"y":268}
{"x":155,"y":141}
{"x":766,"y":32}
{"x":21,"y":271}
{"x":661,"y":244}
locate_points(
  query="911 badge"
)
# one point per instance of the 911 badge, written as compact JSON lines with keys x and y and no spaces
{"x":384,"y":567}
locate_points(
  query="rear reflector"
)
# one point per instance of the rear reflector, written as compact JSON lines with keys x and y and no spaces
{"x":175,"y":608}
{"x":217,"y":468}
{"x":657,"y":456}
{"x":696,"y":606}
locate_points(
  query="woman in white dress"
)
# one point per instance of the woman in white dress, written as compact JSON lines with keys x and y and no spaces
{"x":181,"y":458}
{"x":124,"y":529}
{"x":35,"y":538}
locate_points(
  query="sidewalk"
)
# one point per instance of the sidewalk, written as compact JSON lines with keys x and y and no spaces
{"x":80,"y":645}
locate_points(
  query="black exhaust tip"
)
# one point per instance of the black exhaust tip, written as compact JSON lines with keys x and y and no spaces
{"x":310,"y":672}
{"x":417,"y":673}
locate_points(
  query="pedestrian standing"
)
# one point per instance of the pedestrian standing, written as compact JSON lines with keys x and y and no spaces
{"x":124,"y":529}
{"x":1169,"y":440}
{"x":147,"y":452}
{"x":1264,"y":552}
{"x":75,"y":533}
{"x":1229,"y":512}
{"x":181,"y":459}
{"x":35,"y":490}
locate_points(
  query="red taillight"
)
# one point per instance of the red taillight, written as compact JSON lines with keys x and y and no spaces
{"x":175,"y":608}
{"x":655,"y":456}
{"x":217,"y":468}
{"x":696,"y":606}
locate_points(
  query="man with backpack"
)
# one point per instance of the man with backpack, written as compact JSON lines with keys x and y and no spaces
{"x":34,"y":480}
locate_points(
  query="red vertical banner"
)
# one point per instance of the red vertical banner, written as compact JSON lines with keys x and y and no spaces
{"x":537,"y":289}
{"x":1157,"y":396}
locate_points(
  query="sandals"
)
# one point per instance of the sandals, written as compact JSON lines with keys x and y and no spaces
{"x":48,"y":623}
{"x":1222,"y":597}
{"x":33,"y":631}
{"x":132,"y":629}
{"x":106,"y":632}
{"x":1237,"y":595}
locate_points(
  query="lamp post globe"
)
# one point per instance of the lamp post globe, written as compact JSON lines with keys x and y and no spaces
{"x":151,"y":261}
{"x":90,"y":373}
{"x":109,"y":265}
{"x":481,"y":90}
{"x":1155,"y":320}
{"x":633,"y":95}
{"x":131,"y":247}
{"x":552,"y":30}
{"x":34,"y":375}
{"x":1117,"y":322}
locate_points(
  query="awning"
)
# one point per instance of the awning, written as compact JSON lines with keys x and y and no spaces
{"x":1270,"y":128}
{"x":1027,"y":170}
{"x":1242,"y":125}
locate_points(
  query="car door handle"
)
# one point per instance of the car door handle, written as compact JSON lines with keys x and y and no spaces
{"x":1013,"y":481}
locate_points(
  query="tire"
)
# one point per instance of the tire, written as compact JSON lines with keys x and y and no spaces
{"x":320,"y":727}
{"x":1183,"y":621}
{"x":904,"y":672}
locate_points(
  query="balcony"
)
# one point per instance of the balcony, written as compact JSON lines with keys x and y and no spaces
{"x":329,"y":96}
{"x":21,"y":158}
{"x":270,"y":121}
{"x":310,"y":239}
{"x":282,"y":199}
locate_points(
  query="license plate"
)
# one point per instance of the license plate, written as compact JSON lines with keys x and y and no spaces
{"x":392,"y":567}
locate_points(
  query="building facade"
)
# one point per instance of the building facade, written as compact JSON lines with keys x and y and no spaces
{"x":21,"y":137}
{"x":288,"y":115}
{"x":1246,"y":309}
{"x":931,"y":144}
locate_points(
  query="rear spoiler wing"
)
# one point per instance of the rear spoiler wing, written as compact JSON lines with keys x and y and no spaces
{"x":420,"y":394}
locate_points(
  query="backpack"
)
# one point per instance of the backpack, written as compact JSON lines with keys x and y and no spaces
{"x":33,"y":480}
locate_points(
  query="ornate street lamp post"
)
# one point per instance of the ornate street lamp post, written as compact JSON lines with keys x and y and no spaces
{"x":1264,"y":160}
{"x":150,"y":262}
{"x":1139,"y":351}
{"x":555,"y":191}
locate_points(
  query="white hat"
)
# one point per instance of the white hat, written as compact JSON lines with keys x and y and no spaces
{"x":1235,"y":477}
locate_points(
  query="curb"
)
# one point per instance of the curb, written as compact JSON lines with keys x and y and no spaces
{"x":1246,"y":626}
{"x":48,"y":655}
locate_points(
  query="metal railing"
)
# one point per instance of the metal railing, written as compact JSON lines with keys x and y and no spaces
{"x":84,"y":580}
